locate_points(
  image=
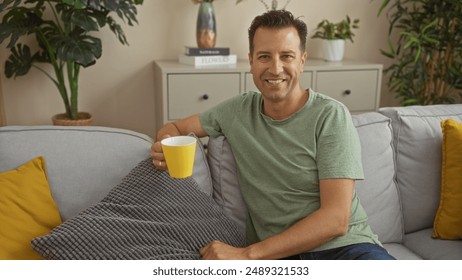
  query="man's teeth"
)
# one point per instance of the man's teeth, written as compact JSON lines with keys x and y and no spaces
{"x":274,"y":82}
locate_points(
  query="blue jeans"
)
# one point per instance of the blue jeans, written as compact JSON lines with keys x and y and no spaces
{"x":360,"y":251}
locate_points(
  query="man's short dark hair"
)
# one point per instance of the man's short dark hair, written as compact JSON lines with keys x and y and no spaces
{"x":278,"y":19}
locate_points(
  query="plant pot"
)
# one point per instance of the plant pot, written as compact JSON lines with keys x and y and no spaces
{"x":206,"y":28}
{"x":84,"y":119}
{"x":333,"y":49}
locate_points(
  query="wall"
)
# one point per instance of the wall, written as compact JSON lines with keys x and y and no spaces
{"x":118,"y":90}
{"x":2,"y":107}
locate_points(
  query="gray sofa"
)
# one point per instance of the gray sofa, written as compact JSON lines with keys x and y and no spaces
{"x":401,"y":153}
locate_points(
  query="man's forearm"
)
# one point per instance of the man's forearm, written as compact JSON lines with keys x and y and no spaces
{"x":305,"y":235}
{"x":182,"y":127}
{"x":329,"y":221}
{"x":168,"y":129}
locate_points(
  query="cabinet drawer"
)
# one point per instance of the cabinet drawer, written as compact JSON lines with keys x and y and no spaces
{"x":305,"y":79}
{"x":190,"y":94}
{"x":357,"y":89}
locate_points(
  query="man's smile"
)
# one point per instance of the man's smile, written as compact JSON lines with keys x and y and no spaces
{"x":275,"y":82}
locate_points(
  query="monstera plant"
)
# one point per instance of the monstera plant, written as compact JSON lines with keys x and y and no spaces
{"x":62,"y":33}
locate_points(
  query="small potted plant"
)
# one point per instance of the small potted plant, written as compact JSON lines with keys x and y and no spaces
{"x":334,"y":36}
{"x":60,"y":33}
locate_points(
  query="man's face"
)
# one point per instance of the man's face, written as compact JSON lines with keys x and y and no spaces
{"x":276,"y":62}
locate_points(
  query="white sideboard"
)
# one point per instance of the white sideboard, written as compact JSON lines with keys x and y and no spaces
{"x":183,"y":90}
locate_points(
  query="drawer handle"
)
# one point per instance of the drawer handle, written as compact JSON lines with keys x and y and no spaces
{"x":347,"y":92}
{"x":205,"y":96}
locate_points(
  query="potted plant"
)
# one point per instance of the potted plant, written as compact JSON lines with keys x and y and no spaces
{"x":334,"y":35}
{"x":60,"y":33}
{"x":427,"y":52}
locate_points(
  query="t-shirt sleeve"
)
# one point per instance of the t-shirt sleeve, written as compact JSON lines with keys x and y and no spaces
{"x":338,"y":146}
{"x":218,"y":119}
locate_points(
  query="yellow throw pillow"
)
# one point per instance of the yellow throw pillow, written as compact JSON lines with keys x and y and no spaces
{"x":448,"y":220}
{"x":27,"y":210}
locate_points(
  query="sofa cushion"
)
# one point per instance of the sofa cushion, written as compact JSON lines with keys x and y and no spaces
{"x":27,"y":209}
{"x":149,"y":215}
{"x":80,"y":158}
{"x":429,"y":248}
{"x":83,"y":163}
{"x":401,"y":252}
{"x":448,"y":220}
{"x":378,"y":192}
{"x":226,"y":189}
{"x":417,"y":142}
{"x":201,"y":169}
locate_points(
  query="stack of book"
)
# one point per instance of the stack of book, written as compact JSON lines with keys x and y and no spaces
{"x":207,"y":56}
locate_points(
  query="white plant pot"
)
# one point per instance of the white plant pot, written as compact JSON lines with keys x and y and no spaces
{"x":333,"y":49}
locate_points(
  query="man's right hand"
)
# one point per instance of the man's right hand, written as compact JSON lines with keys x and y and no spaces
{"x":180,"y":127}
{"x":157,"y":155}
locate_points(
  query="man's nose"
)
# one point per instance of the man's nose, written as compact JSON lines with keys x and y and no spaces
{"x":276,"y":67}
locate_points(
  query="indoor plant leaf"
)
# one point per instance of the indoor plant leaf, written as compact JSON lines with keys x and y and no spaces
{"x":83,"y":49}
{"x":17,"y":23}
{"x":19,"y":62}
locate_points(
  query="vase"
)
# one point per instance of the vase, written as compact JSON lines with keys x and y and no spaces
{"x":333,"y":49}
{"x":206,"y":28}
{"x":84,"y":119}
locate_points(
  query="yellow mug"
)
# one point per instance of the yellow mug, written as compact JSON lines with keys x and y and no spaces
{"x":179,"y":152}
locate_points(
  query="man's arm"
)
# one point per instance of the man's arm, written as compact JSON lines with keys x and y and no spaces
{"x":180,"y":127}
{"x":329,"y":221}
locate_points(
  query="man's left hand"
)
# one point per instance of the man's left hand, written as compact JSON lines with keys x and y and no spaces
{"x":217,"y":250}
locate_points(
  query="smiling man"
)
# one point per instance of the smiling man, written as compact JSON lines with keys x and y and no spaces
{"x":297,"y":153}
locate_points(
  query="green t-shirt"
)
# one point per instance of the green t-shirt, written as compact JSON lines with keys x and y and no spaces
{"x":280,"y":162}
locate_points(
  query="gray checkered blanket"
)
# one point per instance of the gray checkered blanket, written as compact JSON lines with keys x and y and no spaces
{"x":149,"y":215}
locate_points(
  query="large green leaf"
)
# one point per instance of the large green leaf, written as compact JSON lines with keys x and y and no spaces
{"x":81,"y":18}
{"x":117,"y":30}
{"x":19,"y":62}
{"x":83,"y":49}
{"x":17,"y":23}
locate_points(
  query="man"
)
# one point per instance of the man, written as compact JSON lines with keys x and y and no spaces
{"x":297,"y":154}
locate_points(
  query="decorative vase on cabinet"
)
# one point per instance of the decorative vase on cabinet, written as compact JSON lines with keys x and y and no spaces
{"x":206,"y":28}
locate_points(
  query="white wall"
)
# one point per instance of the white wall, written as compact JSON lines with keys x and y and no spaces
{"x":119,"y":89}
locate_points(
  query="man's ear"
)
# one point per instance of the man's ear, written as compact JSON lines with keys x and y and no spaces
{"x":302,"y":61}
{"x":304,"y":57}
{"x":250,"y":61}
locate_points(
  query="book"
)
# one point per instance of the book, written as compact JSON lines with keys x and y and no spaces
{"x":194,"y":51}
{"x":208,"y":60}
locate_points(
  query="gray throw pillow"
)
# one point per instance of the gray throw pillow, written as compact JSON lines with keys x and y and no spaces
{"x":149,"y":215}
{"x":226,"y":188}
{"x":201,"y":171}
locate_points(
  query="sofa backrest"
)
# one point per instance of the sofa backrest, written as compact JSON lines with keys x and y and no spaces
{"x":378,"y":192}
{"x":417,"y":139}
{"x":83,"y":163}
